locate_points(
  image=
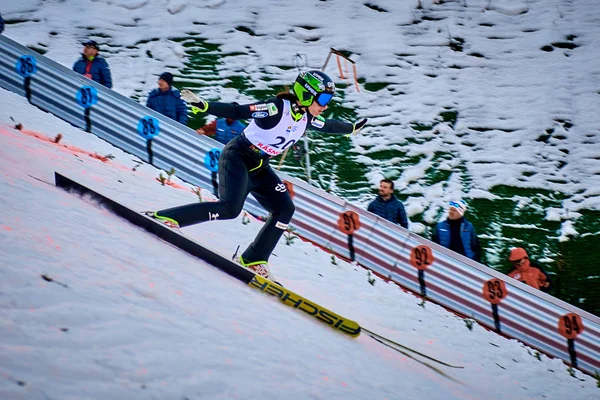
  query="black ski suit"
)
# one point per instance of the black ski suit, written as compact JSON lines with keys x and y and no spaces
{"x":244,"y":168}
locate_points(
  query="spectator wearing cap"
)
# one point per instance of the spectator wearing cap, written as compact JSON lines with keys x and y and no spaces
{"x":527,"y":271}
{"x":387,"y":206}
{"x":167,"y":100}
{"x":222,"y":129}
{"x":456,"y":233}
{"x":93,"y":66}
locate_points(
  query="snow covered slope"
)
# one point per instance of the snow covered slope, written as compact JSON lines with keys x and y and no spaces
{"x":127,"y":316}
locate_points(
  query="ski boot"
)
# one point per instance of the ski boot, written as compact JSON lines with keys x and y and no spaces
{"x":259,"y":267}
{"x":171,"y":223}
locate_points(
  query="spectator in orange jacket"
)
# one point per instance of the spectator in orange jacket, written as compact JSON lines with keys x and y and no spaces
{"x":526,"y":271}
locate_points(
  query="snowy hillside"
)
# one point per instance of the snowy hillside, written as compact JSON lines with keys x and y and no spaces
{"x":493,"y":101}
{"x":512,"y":74}
{"x":93,"y":307}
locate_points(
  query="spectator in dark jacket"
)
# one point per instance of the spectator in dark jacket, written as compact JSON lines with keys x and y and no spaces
{"x":93,"y":66}
{"x":222,"y":129}
{"x":167,"y":100}
{"x":387,"y":206}
{"x":458,"y":234}
{"x":1,"y":24}
{"x":527,"y":271}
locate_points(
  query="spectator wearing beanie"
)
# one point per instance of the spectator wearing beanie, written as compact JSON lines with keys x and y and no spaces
{"x":526,"y":271}
{"x":456,"y":233}
{"x":167,"y":100}
{"x":93,"y":66}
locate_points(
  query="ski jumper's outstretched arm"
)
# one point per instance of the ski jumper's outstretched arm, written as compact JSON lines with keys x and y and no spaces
{"x":268,"y":113}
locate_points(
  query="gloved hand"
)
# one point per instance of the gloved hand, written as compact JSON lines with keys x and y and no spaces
{"x":358,"y":126}
{"x":197,"y":103}
{"x":189,"y":96}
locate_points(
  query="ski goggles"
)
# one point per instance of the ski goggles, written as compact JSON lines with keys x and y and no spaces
{"x":323,"y":98}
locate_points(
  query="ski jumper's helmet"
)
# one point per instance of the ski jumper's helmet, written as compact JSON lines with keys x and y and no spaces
{"x":314,"y":86}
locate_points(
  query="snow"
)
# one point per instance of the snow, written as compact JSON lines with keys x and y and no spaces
{"x":128,"y":316}
{"x":140,"y":319}
{"x":567,"y":230}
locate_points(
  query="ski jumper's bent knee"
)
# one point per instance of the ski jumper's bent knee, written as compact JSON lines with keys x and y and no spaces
{"x":230,"y":210}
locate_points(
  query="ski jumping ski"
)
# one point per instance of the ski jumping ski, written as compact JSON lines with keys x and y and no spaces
{"x":403,"y":349}
{"x":174,"y":237}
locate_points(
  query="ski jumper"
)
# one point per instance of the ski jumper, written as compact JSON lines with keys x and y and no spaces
{"x":275,"y":125}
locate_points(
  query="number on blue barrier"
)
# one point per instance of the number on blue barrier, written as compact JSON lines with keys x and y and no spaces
{"x":87,"y":96}
{"x":211,"y":160}
{"x":148,"y":127}
{"x":26,"y":66}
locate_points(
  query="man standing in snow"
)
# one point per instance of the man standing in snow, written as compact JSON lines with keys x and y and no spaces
{"x":93,"y":66}
{"x":456,"y":233}
{"x":387,"y":206}
{"x":167,"y":100}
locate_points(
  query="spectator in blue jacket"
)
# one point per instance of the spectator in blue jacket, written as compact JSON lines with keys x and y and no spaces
{"x":93,"y":66}
{"x":222,"y":129}
{"x":458,"y":234}
{"x":387,"y":206}
{"x":167,"y":100}
{"x":1,"y":24}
